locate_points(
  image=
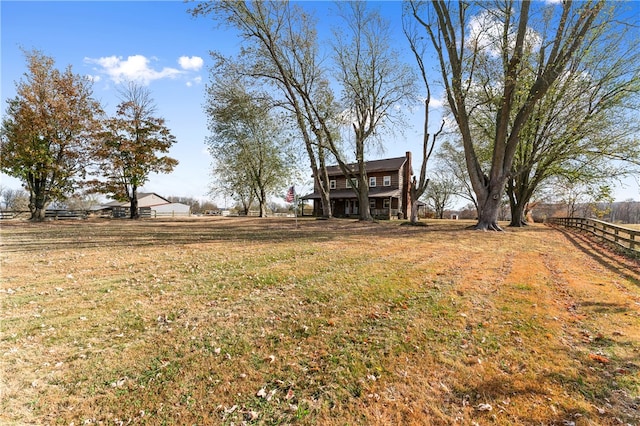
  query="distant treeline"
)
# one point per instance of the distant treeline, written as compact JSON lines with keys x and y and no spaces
{"x":621,"y":212}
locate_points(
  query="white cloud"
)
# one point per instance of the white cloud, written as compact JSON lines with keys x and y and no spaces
{"x":134,"y":68}
{"x":486,"y":32}
{"x":193,"y":63}
{"x":195,"y":80}
{"x":435,"y":103}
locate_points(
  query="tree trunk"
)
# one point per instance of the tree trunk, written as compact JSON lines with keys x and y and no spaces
{"x":325,"y":204}
{"x":489,"y":208}
{"x":517,"y":214}
{"x":134,"y":213}
{"x":516,"y":191}
{"x":38,"y":214}
{"x":38,"y":202}
{"x":364,"y":210}
{"x":263,"y":203}
{"x":520,"y":192}
{"x":323,"y":184}
{"x":414,"y":213}
{"x":413,"y":195}
{"x":488,"y":218}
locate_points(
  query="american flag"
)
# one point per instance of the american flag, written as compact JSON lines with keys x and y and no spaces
{"x":291,"y":195}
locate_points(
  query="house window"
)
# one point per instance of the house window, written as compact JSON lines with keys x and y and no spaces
{"x":386,"y":181}
{"x":348,"y":183}
{"x":372,"y":203}
{"x":332,"y":184}
{"x":386,"y":203}
{"x":372,"y":182}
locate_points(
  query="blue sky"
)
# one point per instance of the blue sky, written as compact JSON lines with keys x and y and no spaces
{"x":113,"y":41}
{"x":161,"y":45}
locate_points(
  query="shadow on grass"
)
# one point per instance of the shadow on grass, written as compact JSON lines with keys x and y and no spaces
{"x":626,"y":267}
{"x":605,"y":307}
{"x":594,"y":382}
{"x":142,"y":233}
{"x":601,"y":384}
{"x":499,"y":390}
{"x":93,"y":233}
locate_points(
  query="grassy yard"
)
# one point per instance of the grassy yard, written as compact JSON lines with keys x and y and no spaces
{"x":225,"y":321}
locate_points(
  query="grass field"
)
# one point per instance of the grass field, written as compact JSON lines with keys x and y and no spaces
{"x":225,"y":321}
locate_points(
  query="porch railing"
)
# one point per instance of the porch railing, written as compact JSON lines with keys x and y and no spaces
{"x":385,"y":213}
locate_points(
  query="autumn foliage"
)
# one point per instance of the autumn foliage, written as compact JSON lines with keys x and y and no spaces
{"x":54,"y":133}
{"x":47,"y":132}
{"x":130,"y":147}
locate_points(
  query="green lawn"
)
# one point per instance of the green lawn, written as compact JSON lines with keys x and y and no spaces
{"x":224,"y":321}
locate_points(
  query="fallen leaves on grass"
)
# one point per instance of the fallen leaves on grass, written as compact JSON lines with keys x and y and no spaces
{"x":289,"y":395}
{"x":599,"y":358}
{"x":262,"y":393}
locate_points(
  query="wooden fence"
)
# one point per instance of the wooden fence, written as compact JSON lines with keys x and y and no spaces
{"x":65,"y":214}
{"x":624,"y":237}
{"x":48,"y":214}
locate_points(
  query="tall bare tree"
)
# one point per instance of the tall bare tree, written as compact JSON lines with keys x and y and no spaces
{"x":281,"y":50}
{"x":375,"y":82}
{"x":418,"y":47}
{"x":582,"y":125}
{"x":441,"y":192}
{"x":469,"y":35}
{"x":452,"y":158}
{"x":247,"y":142}
{"x":14,"y":199}
{"x":131,"y":146}
{"x":47,"y":131}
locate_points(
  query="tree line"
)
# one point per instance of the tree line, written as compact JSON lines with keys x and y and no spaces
{"x":537,"y":96}
{"x":57,"y":139}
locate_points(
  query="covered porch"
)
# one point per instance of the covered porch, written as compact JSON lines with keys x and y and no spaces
{"x":383,"y":204}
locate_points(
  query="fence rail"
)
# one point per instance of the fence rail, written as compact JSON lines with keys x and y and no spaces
{"x":624,"y":237}
{"x":48,"y":214}
{"x":65,"y":214}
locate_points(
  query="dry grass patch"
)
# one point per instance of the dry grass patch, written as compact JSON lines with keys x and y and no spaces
{"x":333,"y":322}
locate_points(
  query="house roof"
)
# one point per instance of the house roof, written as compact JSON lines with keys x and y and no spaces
{"x":177,"y":207}
{"x":141,"y":201}
{"x":387,"y":164}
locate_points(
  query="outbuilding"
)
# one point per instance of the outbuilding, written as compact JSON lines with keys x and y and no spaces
{"x":171,"y":210}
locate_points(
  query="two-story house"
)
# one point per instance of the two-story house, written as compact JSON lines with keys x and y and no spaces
{"x":389,"y":181}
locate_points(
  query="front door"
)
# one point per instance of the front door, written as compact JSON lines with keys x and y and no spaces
{"x":350,"y":207}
